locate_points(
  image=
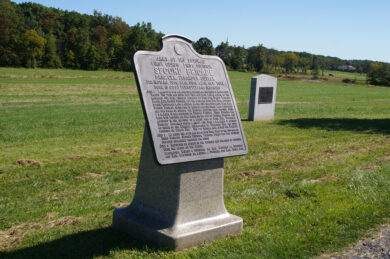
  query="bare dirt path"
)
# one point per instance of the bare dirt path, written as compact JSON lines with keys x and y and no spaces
{"x":378,"y":246}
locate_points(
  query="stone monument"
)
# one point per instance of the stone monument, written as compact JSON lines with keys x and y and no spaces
{"x":262,"y":99}
{"x":192,"y":123}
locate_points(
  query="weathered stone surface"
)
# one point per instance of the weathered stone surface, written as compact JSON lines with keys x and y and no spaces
{"x":189,"y":103}
{"x":262,"y":98}
{"x":177,"y":205}
{"x":192,"y":123}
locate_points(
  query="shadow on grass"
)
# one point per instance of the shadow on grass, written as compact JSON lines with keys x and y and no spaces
{"x":381,"y":126}
{"x":87,"y":244}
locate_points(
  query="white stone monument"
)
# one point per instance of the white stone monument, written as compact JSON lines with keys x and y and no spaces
{"x":192,"y":123}
{"x":262,"y":98}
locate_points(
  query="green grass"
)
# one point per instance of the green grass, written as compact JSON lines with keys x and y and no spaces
{"x":349,"y":75}
{"x":25,"y":72}
{"x":315,"y":179}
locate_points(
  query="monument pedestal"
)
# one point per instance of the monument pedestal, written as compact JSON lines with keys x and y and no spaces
{"x":177,"y":205}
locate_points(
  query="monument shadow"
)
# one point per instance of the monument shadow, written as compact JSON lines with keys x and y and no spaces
{"x":86,"y":244}
{"x":371,"y":126}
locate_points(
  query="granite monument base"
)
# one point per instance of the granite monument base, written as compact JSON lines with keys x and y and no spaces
{"x":177,"y":205}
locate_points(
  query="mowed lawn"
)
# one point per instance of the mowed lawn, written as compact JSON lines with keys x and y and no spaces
{"x":316,"y":179}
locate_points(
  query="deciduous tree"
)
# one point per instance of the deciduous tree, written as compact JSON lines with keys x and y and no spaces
{"x":204,"y":46}
{"x":33,"y":48}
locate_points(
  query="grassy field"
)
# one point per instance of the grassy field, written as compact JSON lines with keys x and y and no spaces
{"x":349,"y":75}
{"x":315,"y":179}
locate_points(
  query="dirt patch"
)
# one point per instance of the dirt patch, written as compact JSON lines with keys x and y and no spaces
{"x":119,"y":205}
{"x":256,"y":173}
{"x":75,"y":156}
{"x":128,"y":170}
{"x":90,"y":175}
{"x":119,"y":151}
{"x":275,"y":182}
{"x":82,"y":147}
{"x":371,"y":167}
{"x":118,"y":191}
{"x":58,"y":181}
{"x":68,"y":220}
{"x":252,"y":173}
{"x":385,"y":159}
{"x":12,"y":236}
{"x":28,"y":162}
{"x":51,"y":215}
{"x":376,"y":247}
{"x":324,"y":179}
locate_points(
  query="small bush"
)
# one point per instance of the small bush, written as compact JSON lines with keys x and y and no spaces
{"x":349,"y":81}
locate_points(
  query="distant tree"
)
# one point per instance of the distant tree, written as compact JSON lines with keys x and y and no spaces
{"x":290,"y":61}
{"x":238,"y":60}
{"x":315,"y":67}
{"x":257,"y":57}
{"x":359,"y":68}
{"x":71,"y":35}
{"x":9,"y":37}
{"x":120,"y":28}
{"x":93,"y":58}
{"x":50,"y":57}
{"x":50,"y":21}
{"x":322,"y":64}
{"x":141,"y":37}
{"x":70,"y":59}
{"x":204,"y":46}
{"x":115,"y":48}
{"x":78,"y":42}
{"x":378,"y":74}
{"x":303,"y":64}
{"x":99,"y":37}
{"x":272,"y":61}
{"x":225,"y":52}
{"x":33,"y":46}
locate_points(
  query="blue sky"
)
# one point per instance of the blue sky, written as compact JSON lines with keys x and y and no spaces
{"x":358,"y":29}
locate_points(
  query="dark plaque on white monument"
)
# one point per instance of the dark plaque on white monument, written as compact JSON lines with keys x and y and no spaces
{"x":188,"y":103}
{"x":265,"y":95}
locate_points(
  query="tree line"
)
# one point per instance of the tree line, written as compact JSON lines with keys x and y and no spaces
{"x":266,"y":60}
{"x":32,"y":35}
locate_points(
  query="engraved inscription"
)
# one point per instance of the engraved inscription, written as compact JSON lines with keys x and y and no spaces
{"x":265,"y":95}
{"x":189,"y":105}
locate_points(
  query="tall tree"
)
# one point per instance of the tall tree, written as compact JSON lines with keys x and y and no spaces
{"x":290,"y":61}
{"x":225,"y":52}
{"x":378,"y":74}
{"x":33,"y":48}
{"x":257,"y":57}
{"x":115,"y":48}
{"x":9,"y":26}
{"x":50,"y":57}
{"x":238,"y":60}
{"x":204,"y":46}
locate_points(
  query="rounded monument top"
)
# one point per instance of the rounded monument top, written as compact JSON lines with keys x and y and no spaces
{"x":176,"y":36}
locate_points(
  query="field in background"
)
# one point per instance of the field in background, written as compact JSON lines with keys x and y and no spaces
{"x":344,"y":75}
{"x":315,"y":179}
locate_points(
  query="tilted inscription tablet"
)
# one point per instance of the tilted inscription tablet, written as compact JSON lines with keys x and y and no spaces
{"x":189,"y":103}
